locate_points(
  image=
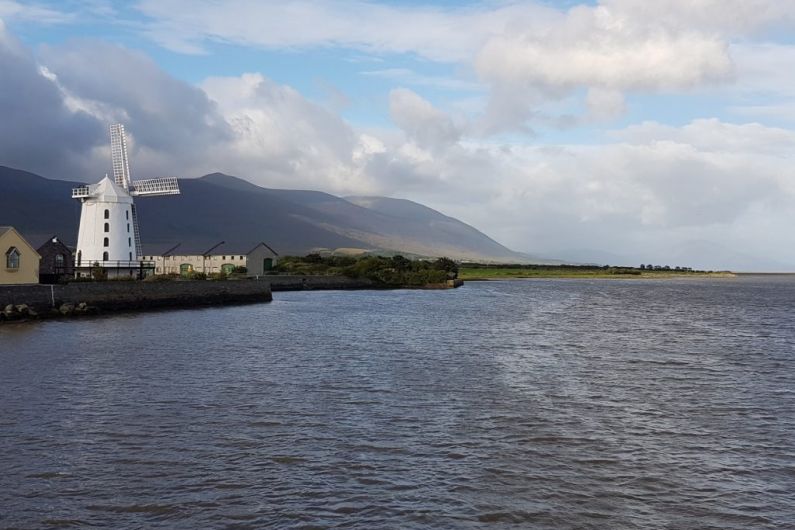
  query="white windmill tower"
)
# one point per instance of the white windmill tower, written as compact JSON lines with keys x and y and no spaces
{"x":108,"y":233}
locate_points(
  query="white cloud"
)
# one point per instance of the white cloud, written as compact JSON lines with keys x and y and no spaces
{"x":28,"y":11}
{"x":409,"y":77}
{"x":431,"y":32}
{"x":647,"y":189}
{"x":422,"y":123}
{"x":284,"y":140}
{"x":526,"y":52}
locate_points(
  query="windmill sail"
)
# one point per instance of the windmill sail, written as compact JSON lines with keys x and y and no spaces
{"x":118,"y":151}
{"x":154,"y":187}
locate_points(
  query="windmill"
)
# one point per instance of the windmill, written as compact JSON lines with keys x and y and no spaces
{"x":108,"y":233}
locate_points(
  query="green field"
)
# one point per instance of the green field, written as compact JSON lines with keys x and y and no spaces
{"x":496,"y":272}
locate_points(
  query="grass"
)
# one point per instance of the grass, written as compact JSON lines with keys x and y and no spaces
{"x":474,"y":273}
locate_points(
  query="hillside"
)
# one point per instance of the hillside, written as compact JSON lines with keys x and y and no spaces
{"x":221,"y":207}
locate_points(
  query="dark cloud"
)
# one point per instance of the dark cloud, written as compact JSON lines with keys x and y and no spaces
{"x":163,"y":114}
{"x":38,"y":132}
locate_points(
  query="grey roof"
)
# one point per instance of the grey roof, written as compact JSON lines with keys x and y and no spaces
{"x":193,"y":249}
{"x":4,"y":229}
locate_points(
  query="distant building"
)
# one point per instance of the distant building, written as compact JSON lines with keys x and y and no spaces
{"x":20,"y":261}
{"x":255,"y":260}
{"x":56,"y":261}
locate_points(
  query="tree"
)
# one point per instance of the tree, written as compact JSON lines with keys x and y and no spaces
{"x":98,"y":272}
{"x":400,"y":263}
{"x":447,"y":265}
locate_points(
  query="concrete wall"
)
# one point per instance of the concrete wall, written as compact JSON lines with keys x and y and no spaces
{"x":299,"y":283}
{"x":128,"y":295}
{"x":28,"y":271}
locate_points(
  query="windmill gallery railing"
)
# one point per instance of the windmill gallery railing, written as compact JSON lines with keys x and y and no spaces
{"x":113,"y":268}
{"x":81,"y":192}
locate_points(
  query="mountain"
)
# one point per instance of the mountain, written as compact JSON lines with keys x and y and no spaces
{"x":220,"y":207}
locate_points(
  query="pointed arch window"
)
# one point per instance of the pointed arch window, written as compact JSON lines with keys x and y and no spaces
{"x":106,"y":242}
{"x":107,"y":214}
{"x":13,"y":257}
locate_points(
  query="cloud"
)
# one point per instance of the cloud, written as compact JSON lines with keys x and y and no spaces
{"x":11,"y":10}
{"x":284,"y":140}
{"x":642,"y":190}
{"x":645,"y":195}
{"x":423,"y":124}
{"x":525,"y":52}
{"x":409,"y":77}
{"x":162,"y":113}
{"x":430,"y":32}
{"x":39,"y":131}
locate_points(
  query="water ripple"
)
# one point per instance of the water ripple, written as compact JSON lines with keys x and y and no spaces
{"x":543,"y":404}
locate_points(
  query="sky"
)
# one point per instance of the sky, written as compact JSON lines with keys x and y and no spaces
{"x":615,"y":131}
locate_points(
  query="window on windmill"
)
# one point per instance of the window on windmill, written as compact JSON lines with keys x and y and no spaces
{"x":129,"y":242}
{"x":127,"y":214}
{"x":128,"y":228}
{"x":107,"y":214}
{"x":106,"y":243}
{"x":105,"y":256}
{"x":12,"y":258}
{"x":107,"y":227}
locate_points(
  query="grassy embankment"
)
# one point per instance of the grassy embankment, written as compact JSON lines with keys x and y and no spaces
{"x":479,"y":271}
{"x":395,"y":271}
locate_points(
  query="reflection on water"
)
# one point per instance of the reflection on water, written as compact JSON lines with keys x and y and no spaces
{"x":550,"y":404}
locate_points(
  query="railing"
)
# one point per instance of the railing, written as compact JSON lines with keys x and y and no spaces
{"x":114,"y":264}
{"x":81,"y":192}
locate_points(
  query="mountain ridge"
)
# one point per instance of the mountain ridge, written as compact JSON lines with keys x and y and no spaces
{"x":218,"y":207}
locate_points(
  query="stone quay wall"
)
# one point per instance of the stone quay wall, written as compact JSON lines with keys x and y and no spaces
{"x":300,"y":283}
{"x":49,"y":300}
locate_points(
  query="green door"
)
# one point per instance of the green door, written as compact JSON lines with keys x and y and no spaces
{"x":267,"y":264}
{"x":228,"y":268}
{"x":185,"y":269}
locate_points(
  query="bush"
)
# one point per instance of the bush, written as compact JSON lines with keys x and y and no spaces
{"x":162,"y":278}
{"x":98,"y":273}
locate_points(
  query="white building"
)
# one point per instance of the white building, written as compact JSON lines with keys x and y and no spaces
{"x":257,"y":260}
{"x":108,"y":236}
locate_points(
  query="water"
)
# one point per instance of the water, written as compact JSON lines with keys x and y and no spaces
{"x":526,"y":404}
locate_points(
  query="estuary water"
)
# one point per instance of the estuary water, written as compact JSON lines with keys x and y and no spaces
{"x":522,"y":404}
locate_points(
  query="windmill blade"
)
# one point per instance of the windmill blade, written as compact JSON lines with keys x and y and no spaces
{"x":155,"y":187}
{"x":118,"y":152}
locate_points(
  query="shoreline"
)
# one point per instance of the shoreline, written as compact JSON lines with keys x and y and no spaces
{"x":662,"y":276}
{"x":26,"y":303}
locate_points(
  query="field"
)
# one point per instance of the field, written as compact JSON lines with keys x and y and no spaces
{"x":477,"y":272}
